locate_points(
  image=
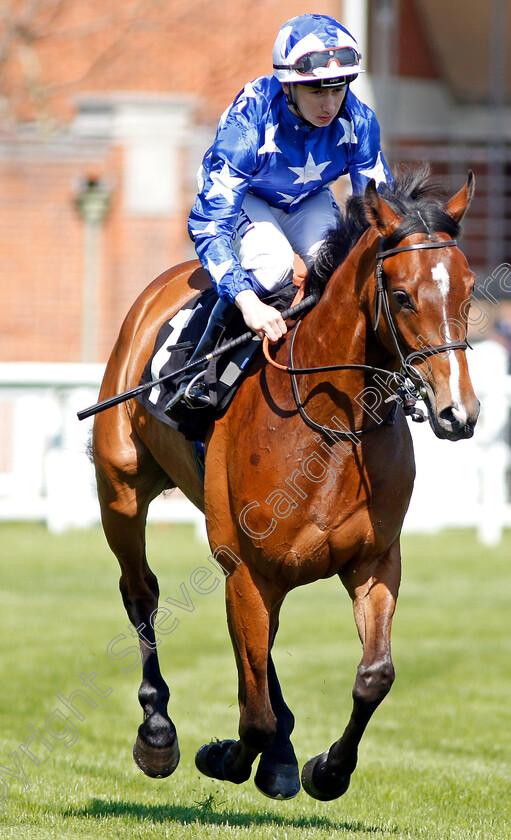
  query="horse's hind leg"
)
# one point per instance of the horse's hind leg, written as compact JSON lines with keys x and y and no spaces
{"x":373,"y":586}
{"x":126,"y":485}
{"x":277,"y":772}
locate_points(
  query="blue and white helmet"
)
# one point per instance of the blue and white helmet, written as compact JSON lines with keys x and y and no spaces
{"x":315,"y":48}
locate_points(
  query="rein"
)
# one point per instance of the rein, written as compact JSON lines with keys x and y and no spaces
{"x":381,"y":305}
{"x":336,"y":433}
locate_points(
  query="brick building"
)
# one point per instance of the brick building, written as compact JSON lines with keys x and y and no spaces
{"x":104,"y":115}
{"x":123,"y":98}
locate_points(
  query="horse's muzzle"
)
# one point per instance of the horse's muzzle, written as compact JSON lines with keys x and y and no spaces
{"x":454,"y":422}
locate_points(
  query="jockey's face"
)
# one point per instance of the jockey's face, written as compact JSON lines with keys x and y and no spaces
{"x":319,"y":106}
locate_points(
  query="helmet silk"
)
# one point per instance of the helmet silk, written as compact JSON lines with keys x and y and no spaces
{"x":328,"y":52}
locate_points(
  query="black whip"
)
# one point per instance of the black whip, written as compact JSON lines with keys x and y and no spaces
{"x":304,"y":304}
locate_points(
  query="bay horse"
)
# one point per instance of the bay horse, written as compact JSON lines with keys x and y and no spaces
{"x":304,"y":479}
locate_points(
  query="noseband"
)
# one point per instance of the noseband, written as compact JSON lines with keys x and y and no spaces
{"x":382,"y":304}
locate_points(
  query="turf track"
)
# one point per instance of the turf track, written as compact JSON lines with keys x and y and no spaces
{"x":434,"y":763}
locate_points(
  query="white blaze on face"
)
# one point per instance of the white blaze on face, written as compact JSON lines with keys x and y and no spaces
{"x":441,"y":277}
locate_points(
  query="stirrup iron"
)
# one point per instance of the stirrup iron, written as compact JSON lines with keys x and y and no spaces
{"x":189,"y":398}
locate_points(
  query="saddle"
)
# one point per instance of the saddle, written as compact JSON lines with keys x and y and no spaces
{"x":173,"y":348}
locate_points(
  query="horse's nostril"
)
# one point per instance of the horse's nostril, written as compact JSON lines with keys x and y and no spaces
{"x":447,"y":414}
{"x":453,"y":415}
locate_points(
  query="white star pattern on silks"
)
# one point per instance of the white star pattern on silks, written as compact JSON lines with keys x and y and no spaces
{"x":211,"y":229}
{"x":248,"y":93}
{"x":223,"y":117}
{"x":349,"y":135}
{"x":219,"y":271}
{"x":223,"y":184}
{"x":201,"y":176}
{"x":377,"y":171}
{"x":310,"y":172}
{"x":294,"y":199}
{"x":269,"y":141}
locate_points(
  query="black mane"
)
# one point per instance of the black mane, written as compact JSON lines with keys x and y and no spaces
{"x":414,"y":196}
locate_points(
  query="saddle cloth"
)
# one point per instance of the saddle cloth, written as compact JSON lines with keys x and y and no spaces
{"x":173,"y":348}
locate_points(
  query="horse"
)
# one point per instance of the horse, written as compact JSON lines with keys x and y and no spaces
{"x":309,"y":472}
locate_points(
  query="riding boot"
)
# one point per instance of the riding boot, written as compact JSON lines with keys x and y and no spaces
{"x":192,"y":391}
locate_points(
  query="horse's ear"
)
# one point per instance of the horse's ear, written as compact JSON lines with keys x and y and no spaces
{"x":379,"y":214}
{"x":458,"y":205}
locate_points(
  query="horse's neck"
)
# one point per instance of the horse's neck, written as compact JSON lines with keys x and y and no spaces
{"x":341,"y":321}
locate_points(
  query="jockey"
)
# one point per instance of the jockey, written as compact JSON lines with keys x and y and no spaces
{"x":264,"y":186}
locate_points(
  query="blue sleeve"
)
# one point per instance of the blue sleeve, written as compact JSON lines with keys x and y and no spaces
{"x":368,"y":161}
{"x":227,"y":171}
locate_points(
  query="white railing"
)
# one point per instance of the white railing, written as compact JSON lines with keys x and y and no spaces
{"x":466,"y":484}
{"x":45,"y":473}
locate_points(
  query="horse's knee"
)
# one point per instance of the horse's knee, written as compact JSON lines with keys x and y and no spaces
{"x":140,"y":598}
{"x":258,"y":733}
{"x":374,"y":682}
{"x":136,"y":582}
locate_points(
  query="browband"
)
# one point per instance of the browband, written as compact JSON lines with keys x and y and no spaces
{"x":450,"y":243}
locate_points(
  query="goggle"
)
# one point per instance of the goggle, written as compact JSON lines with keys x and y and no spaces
{"x":306,"y":64}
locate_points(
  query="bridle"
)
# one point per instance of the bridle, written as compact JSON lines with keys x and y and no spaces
{"x":381,"y":303}
{"x":408,"y":391}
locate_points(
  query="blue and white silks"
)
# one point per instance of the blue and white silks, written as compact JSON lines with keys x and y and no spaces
{"x":262,"y":148}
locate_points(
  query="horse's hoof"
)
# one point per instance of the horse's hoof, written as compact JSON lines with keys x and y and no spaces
{"x":281,"y":781}
{"x":156,"y":750}
{"x":211,"y":761}
{"x":157,"y":762}
{"x":331,"y":787}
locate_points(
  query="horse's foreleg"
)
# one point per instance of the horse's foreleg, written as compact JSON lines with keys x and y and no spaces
{"x":124,"y":498}
{"x":248,"y":614}
{"x":373,"y":587}
{"x":277,"y":772}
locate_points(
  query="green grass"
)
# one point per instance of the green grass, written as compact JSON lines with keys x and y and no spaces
{"x":434,"y":762}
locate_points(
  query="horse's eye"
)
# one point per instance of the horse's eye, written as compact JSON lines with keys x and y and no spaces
{"x":402,"y":299}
